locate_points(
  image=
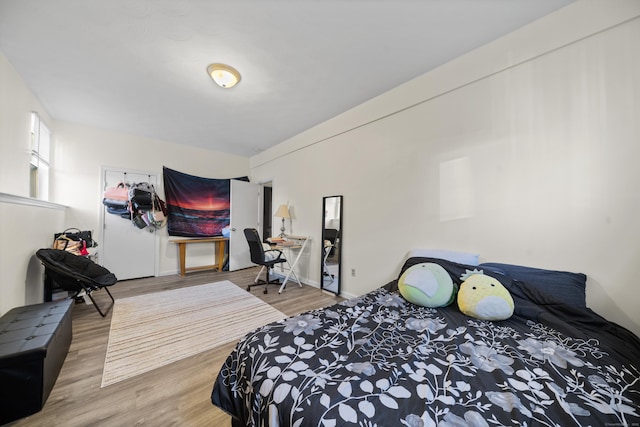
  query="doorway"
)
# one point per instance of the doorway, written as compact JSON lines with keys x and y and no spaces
{"x":267,"y":191}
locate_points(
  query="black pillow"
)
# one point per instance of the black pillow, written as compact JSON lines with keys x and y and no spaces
{"x":562,"y":286}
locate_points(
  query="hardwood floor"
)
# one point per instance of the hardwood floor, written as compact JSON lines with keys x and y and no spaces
{"x":174,"y":395}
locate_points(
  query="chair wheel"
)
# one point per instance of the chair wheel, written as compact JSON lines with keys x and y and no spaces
{"x":265,"y":291}
{"x":248,"y":288}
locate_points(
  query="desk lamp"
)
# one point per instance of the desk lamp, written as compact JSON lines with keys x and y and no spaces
{"x":282,"y":212}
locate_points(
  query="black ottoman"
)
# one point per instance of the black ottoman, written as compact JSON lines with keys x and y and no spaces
{"x":34,"y":341}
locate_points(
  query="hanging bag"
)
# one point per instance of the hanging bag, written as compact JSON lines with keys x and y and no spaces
{"x":119,"y":192}
{"x":157,"y":217}
{"x":139,"y":221}
{"x":116,"y":199}
{"x":141,"y":197}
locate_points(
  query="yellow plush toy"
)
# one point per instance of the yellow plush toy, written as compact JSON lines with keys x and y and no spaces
{"x":484,"y":297}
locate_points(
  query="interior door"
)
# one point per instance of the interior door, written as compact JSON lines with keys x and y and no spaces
{"x":244,"y":214}
{"x":126,"y":250}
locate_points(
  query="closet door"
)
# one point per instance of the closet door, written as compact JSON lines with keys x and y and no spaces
{"x":127,"y":251}
{"x":244,"y":214}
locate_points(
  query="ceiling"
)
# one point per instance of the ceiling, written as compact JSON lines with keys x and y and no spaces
{"x":139,"y":66}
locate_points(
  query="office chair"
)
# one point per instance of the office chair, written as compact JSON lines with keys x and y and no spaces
{"x":328,"y":247}
{"x":330,"y":234}
{"x":267,"y":259}
{"x":75,"y":274}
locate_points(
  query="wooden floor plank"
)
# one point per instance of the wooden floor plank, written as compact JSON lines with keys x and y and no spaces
{"x":173,"y":395}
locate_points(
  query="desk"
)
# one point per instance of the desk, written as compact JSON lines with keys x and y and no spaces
{"x":293,"y":242}
{"x":220,"y":244}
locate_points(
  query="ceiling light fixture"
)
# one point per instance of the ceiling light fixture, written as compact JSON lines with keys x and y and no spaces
{"x":224,"y":75}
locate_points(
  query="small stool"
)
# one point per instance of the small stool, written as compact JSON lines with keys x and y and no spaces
{"x":34,"y":341}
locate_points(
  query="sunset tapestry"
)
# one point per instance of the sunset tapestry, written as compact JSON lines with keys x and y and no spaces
{"x":197,"y":207}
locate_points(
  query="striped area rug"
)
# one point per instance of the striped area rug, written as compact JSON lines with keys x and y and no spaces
{"x":154,"y":330}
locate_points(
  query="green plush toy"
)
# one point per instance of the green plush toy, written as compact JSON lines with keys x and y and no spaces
{"x":484,"y":297}
{"x":427,"y":284}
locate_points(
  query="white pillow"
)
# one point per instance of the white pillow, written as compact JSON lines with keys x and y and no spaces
{"x":453,"y":256}
{"x":269,"y":254}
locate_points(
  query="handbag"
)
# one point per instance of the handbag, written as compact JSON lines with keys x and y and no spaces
{"x":141,"y":197}
{"x":119,"y":192}
{"x":139,"y":221}
{"x":75,"y":247}
{"x":157,"y":217}
{"x":162,"y":206}
{"x":75,"y":242}
{"x":77,"y":235}
{"x":123,"y":211}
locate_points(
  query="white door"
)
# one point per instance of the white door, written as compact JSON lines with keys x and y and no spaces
{"x":126,"y":250}
{"x":244,"y":214}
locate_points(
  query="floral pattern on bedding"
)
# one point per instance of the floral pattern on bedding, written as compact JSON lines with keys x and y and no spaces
{"x":378,"y":360}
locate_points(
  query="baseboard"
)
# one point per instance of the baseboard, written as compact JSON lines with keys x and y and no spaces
{"x":328,"y":293}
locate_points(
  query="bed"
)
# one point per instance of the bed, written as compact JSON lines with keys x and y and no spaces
{"x":378,"y":360}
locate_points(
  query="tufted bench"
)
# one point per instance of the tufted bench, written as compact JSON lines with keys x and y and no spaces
{"x":34,"y":341}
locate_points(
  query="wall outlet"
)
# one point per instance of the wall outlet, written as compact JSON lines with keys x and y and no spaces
{"x":353,"y":272}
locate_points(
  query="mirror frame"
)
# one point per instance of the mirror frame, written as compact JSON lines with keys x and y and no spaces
{"x":338,"y":244}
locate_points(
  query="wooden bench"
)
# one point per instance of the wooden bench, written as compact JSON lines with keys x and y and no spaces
{"x":34,"y":341}
{"x":220,"y":245}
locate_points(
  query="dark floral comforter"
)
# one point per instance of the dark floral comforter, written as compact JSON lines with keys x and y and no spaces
{"x":378,"y":360}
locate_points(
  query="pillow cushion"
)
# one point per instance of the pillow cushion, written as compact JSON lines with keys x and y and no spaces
{"x":454,"y":269}
{"x":561,"y":286}
{"x":427,"y":284}
{"x":454,"y":256}
{"x":269,"y":253}
{"x":484,"y":297}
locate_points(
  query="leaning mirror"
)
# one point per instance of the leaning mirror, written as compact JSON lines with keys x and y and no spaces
{"x":331,"y":248}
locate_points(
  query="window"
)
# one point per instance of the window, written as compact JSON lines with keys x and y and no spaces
{"x":40,"y":158}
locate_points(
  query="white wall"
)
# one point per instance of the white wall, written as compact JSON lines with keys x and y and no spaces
{"x":79,"y":154}
{"x":16,"y":104}
{"x":25,"y":225}
{"x":539,"y":130}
